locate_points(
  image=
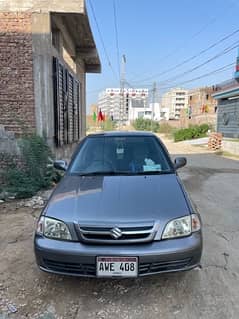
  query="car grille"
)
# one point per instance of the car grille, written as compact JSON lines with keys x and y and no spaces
{"x":70,"y":268}
{"x":90,"y":269}
{"x":120,"y":234}
{"x":151,"y":268}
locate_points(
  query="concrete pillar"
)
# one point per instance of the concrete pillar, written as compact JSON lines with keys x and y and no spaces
{"x":80,"y":71}
{"x":42,"y":73}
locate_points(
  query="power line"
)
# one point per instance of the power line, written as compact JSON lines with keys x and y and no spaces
{"x":190,"y":38}
{"x":182,"y":46}
{"x":101,"y":39}
{"x":221,"y":69}
{"x":225,"y":51}
{"x":193,"y":57}
{"x":116,"y":37}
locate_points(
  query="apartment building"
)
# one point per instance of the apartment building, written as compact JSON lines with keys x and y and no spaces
{"x":124,"y":105}
{"x":174,"y":101}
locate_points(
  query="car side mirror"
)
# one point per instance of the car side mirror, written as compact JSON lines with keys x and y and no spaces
{"x":61,"y":165}
{"x":180,"y":162}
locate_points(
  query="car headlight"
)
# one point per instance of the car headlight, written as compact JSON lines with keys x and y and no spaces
{"x":53,"y":228}
{"x":181,"y":227}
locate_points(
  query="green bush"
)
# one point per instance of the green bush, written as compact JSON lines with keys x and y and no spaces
{"x":109,"y":125}
{"x":142,"y":124}
{"x":204,"y":128}
{"x":33,"y":171}
{"x":192,"y":132}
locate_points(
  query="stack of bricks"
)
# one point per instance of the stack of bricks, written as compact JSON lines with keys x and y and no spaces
{"x":215,"y":141}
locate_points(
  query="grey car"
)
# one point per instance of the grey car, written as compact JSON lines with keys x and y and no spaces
{"x":119,"y":211}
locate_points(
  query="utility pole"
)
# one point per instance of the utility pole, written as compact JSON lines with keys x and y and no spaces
{"x":122,"y":86}
{"x":153,"y":102}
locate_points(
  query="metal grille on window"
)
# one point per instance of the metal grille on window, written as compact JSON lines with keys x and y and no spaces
{"x":66,"y":105}
{"x":76,"y":109}
{"x":70,"y":109}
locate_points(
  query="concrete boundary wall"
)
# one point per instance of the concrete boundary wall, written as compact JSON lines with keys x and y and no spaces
{"x":230,"y":146}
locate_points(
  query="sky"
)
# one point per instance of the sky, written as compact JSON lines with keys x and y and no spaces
{"x":156,"y":36}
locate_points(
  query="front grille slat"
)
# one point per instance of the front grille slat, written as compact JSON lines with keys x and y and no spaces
{"x":163,"y":266}
{"x":72,"y":268}
{"x":90,"y":269}
{"x":117,"y":234}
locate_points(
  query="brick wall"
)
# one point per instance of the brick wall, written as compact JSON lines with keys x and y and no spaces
{"x":16,"y":65}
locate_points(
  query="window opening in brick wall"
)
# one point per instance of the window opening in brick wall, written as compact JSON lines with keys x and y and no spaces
{"x":66,"y":89}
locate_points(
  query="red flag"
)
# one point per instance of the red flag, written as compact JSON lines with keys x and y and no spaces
{"x":100,"y":116}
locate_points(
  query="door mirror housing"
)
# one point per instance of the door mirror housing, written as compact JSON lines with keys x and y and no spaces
{"x":180,"y":162}
{"x":61,"y":165}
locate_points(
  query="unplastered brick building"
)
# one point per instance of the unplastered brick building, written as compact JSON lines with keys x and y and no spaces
{"x":46,"y":49}
{"x":201,"y":100}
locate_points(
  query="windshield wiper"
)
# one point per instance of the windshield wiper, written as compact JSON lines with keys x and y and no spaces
{"x":102,"y":173}
{"x":153,"y":173}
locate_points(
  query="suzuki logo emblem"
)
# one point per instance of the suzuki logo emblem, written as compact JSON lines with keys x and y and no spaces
{"x":116,"y":233}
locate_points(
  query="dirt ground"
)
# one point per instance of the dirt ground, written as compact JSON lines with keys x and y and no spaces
{"x":212,"y":292}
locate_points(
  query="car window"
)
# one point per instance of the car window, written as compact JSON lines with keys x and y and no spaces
{"x":126,"y":154}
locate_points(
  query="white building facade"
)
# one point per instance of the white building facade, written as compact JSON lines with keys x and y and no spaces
{"x":173,"y":102}
{"x":127,"y":107}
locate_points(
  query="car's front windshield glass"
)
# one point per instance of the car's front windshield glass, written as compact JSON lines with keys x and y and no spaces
{"x":121,"y":155}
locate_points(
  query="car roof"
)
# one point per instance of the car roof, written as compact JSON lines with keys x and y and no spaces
{"x":121,"y":133}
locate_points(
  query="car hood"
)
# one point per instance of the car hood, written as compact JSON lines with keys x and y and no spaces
{"x":112,"y":199}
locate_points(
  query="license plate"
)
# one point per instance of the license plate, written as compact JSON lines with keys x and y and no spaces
{"x":117,"y":266}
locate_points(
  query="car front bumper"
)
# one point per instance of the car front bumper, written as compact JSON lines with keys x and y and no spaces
{"x":78,"y":259}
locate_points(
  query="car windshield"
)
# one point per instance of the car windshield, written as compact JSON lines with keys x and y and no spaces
{"x":121,"y":155}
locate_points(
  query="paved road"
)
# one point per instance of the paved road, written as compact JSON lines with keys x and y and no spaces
{"x":212,"y":292}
